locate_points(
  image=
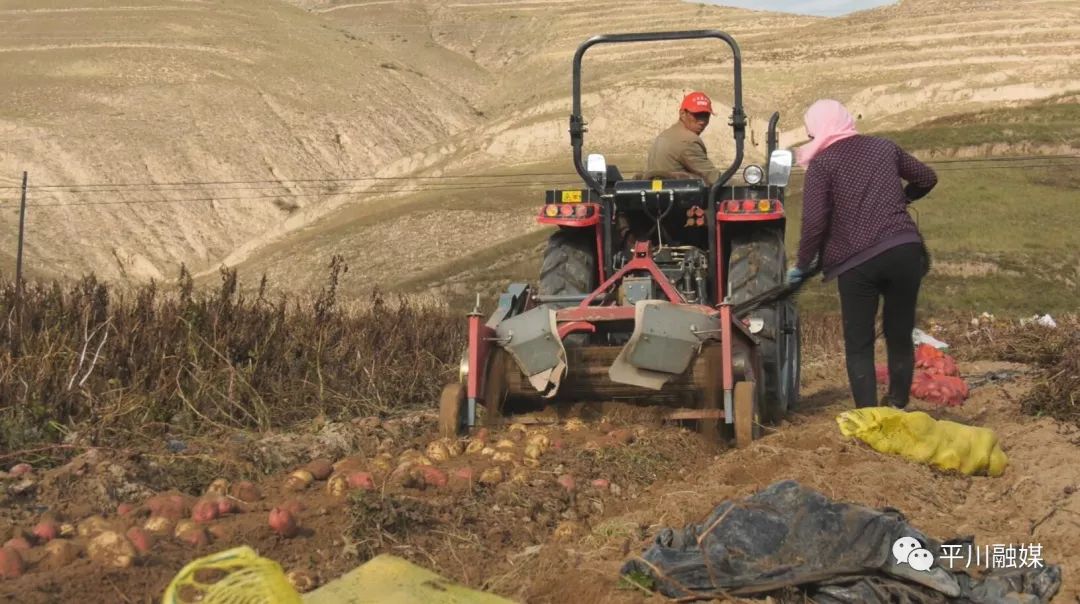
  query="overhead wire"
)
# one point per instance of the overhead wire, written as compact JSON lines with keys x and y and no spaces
{"x":382,"y":186}
{"x":285,"y":181}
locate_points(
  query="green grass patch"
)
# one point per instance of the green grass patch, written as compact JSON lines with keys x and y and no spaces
{"x":1004,"y":241}
{"x":1054,"y":121}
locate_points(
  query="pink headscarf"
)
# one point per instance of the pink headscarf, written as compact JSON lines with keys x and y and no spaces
{"x":827,"y":121}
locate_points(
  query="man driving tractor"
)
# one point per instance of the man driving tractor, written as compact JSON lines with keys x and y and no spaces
{"x":679,"y":150}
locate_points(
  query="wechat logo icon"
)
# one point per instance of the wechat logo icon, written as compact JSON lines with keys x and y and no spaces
{"x":908,"y":550}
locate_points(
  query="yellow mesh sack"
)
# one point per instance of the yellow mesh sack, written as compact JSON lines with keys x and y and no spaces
{"x":919,"y":437}
{"x":234,"y":576}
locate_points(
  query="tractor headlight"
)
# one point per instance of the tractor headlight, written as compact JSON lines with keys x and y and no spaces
{"x":596,"y":166}
{"x":753,"y":174}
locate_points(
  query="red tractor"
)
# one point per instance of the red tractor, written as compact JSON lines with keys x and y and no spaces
{"x":664,"y":294}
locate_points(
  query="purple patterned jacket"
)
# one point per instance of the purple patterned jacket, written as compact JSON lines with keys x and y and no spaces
{"x":855,"y":205}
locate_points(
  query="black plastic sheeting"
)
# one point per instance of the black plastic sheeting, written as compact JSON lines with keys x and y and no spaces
{"x":788,"y":538}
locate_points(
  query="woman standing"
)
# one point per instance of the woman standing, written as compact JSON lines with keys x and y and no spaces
{"x":855,"y":222}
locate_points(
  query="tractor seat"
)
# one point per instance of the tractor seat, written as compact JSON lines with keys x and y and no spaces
{"x":613,"y":174}
{"x":688,"y":192}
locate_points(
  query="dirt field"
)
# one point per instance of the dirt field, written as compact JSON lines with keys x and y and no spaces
{"x":515,"y":537}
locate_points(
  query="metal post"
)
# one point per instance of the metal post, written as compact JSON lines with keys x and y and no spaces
{"x":16,"y":340}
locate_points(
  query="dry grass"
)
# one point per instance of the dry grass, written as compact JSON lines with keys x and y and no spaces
{"x":111,"y":366}
{"x":1054,"y":352}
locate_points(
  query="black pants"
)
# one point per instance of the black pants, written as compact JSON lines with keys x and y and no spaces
{"x":894,"y":275}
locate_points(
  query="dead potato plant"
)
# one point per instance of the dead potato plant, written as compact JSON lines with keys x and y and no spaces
{"x":101,"y":366}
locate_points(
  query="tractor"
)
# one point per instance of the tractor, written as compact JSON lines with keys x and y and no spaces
{"x":662,"y":294}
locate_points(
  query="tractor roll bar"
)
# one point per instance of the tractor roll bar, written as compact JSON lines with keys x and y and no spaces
{"x":772,"y":141}
{"x":738,"y":117}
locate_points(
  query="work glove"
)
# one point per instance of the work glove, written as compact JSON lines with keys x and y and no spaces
{"x":795,"y":276}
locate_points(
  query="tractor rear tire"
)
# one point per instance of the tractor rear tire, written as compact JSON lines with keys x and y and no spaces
{"x":756,"y":265}
{"x":569,"y":269}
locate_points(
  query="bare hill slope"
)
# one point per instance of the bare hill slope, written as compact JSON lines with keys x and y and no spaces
{"x":176,"y":91}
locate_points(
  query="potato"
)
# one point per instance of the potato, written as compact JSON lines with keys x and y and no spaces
{"x":503,"y":457}
{"x":533,"y":452}
{"x":475,"y":446}
{"x":574,"y":424}
{"x":46,"y":531}
{"x":320,"y":469}
{"x":362,"y":480}
{"x":283,"y":522}
{"x":437,"y":451}
{"x":567,"y":482}
{"x":517,"y":427}
{"x":540,"y":441}
{"x":11,"y":564}
{"x":621,"y":437}
{"x":159,"y":525}
{"x":345,"y":464}
{"x":519,"y":475}
{"x":454,"y":447}
{"x":219,"y":486}
{"x":492,"y":475}
{"x":338,"y":485}
{"x":382,"y":463}
{"x":226,"y":506}
{"x":601,"y":483}
{"x":183,"y":526}
{"x":67,"y":529}
{"x":111,"y":549}
{"x":171,"y":505}
{"x":466,"y":475}
{"x":299,"y":480}
{"x":432,"y":476}
{"x":20,"y":469}
{"x":488,"y":451}
{"x":140,"y":539}
{"x":195,"y":537}
{"x":205,"y":510}
{"x":301,"y":580}
{"x":246,"y":491}
{"x":59,"y":553}
{"x":92,"y":526}
{"x":505,"y":444}
{"x":19,"y":544}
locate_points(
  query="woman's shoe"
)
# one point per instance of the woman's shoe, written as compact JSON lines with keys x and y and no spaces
{"x":890,"y":401}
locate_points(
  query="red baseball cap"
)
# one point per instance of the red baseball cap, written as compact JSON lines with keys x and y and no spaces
{"x":696,"y":102}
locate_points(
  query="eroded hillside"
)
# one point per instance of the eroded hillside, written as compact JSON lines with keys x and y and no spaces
{"x":310,"y":99}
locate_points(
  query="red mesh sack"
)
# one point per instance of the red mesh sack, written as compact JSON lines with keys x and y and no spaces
{"x":939,"y":389}
{"x":925,"y":354}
